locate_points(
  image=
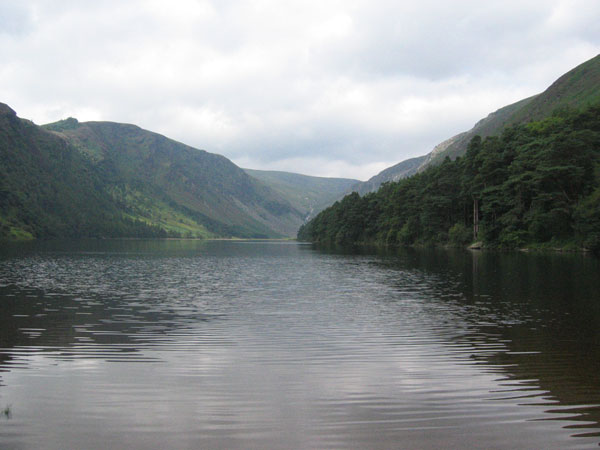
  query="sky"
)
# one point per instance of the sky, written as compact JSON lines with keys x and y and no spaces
{"x":326,"y":87}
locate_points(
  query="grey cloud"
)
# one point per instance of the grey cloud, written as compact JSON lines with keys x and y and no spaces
{"x":361,"y":83}
{"x":437,"y":40}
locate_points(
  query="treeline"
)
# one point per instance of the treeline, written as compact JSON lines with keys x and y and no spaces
{"x":535,"y":185}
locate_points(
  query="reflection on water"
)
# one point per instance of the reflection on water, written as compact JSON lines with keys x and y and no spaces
{"x":190,"y":344}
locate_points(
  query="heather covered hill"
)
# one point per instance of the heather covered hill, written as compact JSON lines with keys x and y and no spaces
{"x":205,"y":185}
{"x":103,"y":179}
{"x":49,"y":189}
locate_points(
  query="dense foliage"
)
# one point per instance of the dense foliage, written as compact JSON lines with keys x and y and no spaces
{"x":536,"y":184}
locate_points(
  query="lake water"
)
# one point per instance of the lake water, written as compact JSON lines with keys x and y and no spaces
{"x":190,"y":344}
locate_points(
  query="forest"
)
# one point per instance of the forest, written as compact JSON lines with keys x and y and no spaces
{"x":537,"y":185}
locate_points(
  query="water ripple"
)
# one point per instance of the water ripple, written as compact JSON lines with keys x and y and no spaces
{"x":281,"y":346}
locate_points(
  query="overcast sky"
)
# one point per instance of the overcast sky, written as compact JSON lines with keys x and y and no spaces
{"x":326,"y":87}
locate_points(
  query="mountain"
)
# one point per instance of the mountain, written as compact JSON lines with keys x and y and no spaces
{"x":49,"y":189}
{"x":488,"y":126}
{"x":306,"y":194}
{"x":401,"y":170}
{"x":578,"y":88}
{"x":225,"y":199}
{"x":104,"y":179}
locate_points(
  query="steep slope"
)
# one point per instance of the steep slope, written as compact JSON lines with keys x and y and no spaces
{"x":147,"y":168}
{"x":102,"y":179}
{"x":578,"y":88}
{"x":307,"y":194}
{"x":401,"y":170}
{"x":48,"y":189}
{"x":493,"y":124}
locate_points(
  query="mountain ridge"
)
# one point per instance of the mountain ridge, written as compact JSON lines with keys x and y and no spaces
{"x":200,"y":181}
{"x":394,"y":173}
{"x":144,"y":183}
{"x":577,"y":88}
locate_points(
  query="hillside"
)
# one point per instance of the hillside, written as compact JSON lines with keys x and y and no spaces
{"x":536,"y":185}
{"x":493,"y":124}
{"x":48,"y":189}
{"x":401,"y":170}
{"x":222,"y":196}
{"x":103,"y":179}
{"x":578,"y":88}
{"x":307,"y":194}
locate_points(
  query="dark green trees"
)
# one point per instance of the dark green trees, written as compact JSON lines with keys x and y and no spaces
{"x":536,"y":184}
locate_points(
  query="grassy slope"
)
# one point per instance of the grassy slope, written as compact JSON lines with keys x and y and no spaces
{"x":307,"y":194}
{"x":577,"y":88}
{"x":104,"y":179}
{"x":491,"y":125}
{"x":154,"y":211}
{"x":205,"y":187}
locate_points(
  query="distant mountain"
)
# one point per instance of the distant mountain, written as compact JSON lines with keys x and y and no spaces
{"x":401,"y":170}
{"x":578,"y":88}
{"x":306,"y":194}
{"x":103,"y":179}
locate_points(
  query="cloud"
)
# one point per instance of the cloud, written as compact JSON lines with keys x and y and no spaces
{"x":15,"y":18}
{"x":327,"y":86}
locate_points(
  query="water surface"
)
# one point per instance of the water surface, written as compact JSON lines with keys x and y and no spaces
{"x":190,"y":344}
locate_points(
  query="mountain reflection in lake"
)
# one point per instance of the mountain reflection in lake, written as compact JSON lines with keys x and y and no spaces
{"x":189,"y":344}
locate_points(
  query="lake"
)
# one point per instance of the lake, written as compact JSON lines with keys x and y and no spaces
{"x":249,"y":344}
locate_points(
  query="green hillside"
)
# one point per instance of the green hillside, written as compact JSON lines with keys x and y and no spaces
{"x":307,"y":194}
{"x":48,"y":189}
{"x":537,"y":185}
{"x":208,"y":185}
{"x":102,"y":179}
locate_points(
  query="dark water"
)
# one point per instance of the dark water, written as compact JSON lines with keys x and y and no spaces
{"x":185,"y":344}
